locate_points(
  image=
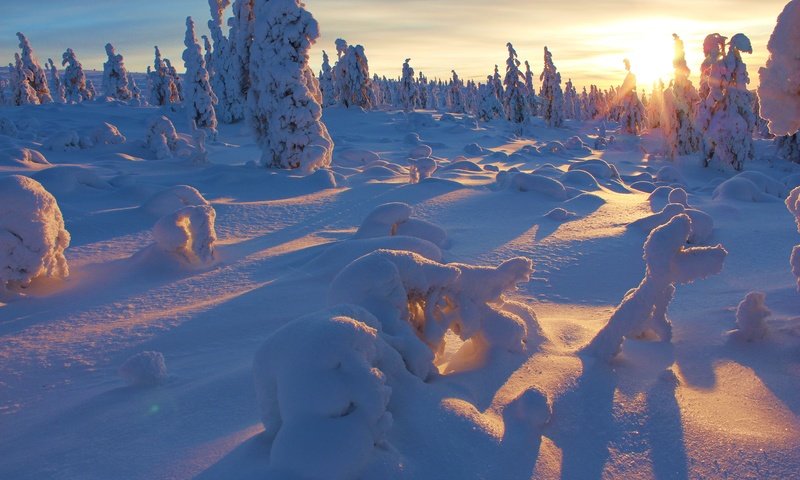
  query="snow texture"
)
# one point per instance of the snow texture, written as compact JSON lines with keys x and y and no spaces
{"x":643,"y":311}
{"x":32,"y":233}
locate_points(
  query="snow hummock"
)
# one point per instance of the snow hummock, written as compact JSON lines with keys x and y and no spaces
{"x":643,"y":311}
{"x":188,"y":234}
{"x":145,"y":369}
{"x":750,"y":317}
{"x":32,"y":233}
{"x":392,"y":219}
{"x":161,"y":138}
{"x":173,"y":199}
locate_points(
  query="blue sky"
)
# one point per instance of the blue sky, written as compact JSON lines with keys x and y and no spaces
{"x":589,"y":39}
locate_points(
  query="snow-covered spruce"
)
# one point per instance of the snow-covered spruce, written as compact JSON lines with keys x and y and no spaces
{"x":779,"y":87}
{"x":418,"y":300}
{"x":351,"y":78}
{"x":145,"y":369}
{"x":33,"y":71}
{"x":200,"y":99}
{"x":551,"y":95}
{"x":283,"y":102}
{"x":163,"y":90}
{"x":680,"y":105}
{"x":326,"y":82}
{"x":321,"y":380}
{"x":631,"y":108}
{"x":728,"y":141}
{"x":137,"y":100}
{"x":188,"y":234}
{"x":115,"y":76}
{"x":216,"y":64}
{"x":32,"y":234}
{"x":75,"y":89}
{"x":408,"y":88}
{"x":161,"y":138}
{"x":793,"y":204}
{"x":394,"y":218}
{"x":515,"y":96}
{"x":750,"y":317}
{"x":56,"y":85}
{"x":643,"y":311}
{"x":237,"y":63}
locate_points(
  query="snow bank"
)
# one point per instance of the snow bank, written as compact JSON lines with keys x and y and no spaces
{"x":188,"y":234}
{"x":67,"y":179}
{"x":22,"y":157}
{"x":418,"y":300}
{"x":750,"y":317}
{"x":392,"y":219}
{"x":174,"y":198}
{"x":643,"y":311}
{"x":321,"y":381}
{"x":144,"y":369}
{"x":530,"y":182}
{"x":32,"y":233}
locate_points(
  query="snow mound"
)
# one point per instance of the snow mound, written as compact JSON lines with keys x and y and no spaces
{"x":421,"y":168}
{"x":575,"y":144}
{"x":678,"y":195}
{"x":355,"y":158}
{"x":69,"y":179}
{"x":7,"y":127}
{"x":392,"y":219}
{"x":32,"y":233}
{"x":670,"y":174}
{"x":580,"y":179}
{"x":62,"y":141}
{"x":750,"y":317}
{"x":172,"y":199}
{"x":144,"y":369}
{"x":643,"y":311}
{"x":188,"y":234}
{"x":420,"y":151}
{"x":106,"y":134}
{"x":320,"y":382}
{"x":161,"y":139}
{"x":530,"y":408}
{"x":529,"y":182}
{"x":740,"y":189}
{"x":474,"y":150}
{"x":22,"y":157}
{"x":643,"y":186}
{"x":766,"y":184}
{"x":464,"y":165}
{"x":418,"y":300}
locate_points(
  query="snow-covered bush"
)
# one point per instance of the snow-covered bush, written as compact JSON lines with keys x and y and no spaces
{"x":643,"y":311}
{"x":75,"y":89}
{"x":32,"y":233}
{"x":200,"y":99}
{"x":115,"y":76}
{"x":750,"y":317}
{"x":702,"y":223}
{"x":62,"y":140}
{"x":145,"y":369}
{"x":188,"y":234}
{"x":551,"y":96}
{"x":779,"y":89}
{"x":22,"y":157}
{"x":394,"y":218}
{"x":421,"y":168}
{"x":104,"y":134}
{"x":418,"y":300}
{"x":793,"y":204}
{"x":322,"y":380}
{"x":33,"y":71}
{"x":161,"y":138}
{"x":283,"y":100}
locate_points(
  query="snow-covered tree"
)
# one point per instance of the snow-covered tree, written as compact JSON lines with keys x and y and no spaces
{"x":163,"y":90}
{"x":729,"y":138}
{"x":710,"y":71}
{"x":326,"y":82}
{"x":176,"y":79}
{"x":455,"y":96}
{"x":408,"y":88}
{"x":631,"y":110}
{"x":533,"y":102}
{"x":284,"y":99}
{"x":552,"y":97}
{"x":514,"y":101}
{"x":136,"y":94}
{"x":56,"y":86}
{"x":489,"y":106}
{"x":220,"y":65}
{"x":115,"y":76}
{"x":571,"y":102}
{"x":680,"y":104}
{"x":200,"y":99}
{"x":351,"y":77}
{"x":22,"y":93}
{"x":33,"y":71}
{"x":207,"y":54}
{"x":75,"y":89}
{"x":779,"y":90}
{"x":237,"y":65}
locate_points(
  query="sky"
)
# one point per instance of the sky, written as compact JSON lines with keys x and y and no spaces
{"x":589,"y":38}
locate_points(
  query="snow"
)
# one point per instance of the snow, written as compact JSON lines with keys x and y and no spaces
{"x":188,"y":234}
{"x":145,"y":369}
{"x":750,"y":317}
{"x":32,"y":234}
{"x":780,"y":78}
